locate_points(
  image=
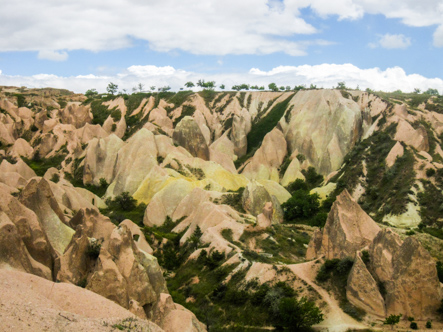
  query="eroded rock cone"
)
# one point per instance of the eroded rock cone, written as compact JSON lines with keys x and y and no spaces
{"x":38,"y":196}
{"x":399,"y":277}
{"x":187,"y":133}
{"x":347,"y":230}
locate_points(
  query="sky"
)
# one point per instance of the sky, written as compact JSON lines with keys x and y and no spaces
{"x":84,"y":44}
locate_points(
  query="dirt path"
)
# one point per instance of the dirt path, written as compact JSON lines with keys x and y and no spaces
{"x":335,"y":319}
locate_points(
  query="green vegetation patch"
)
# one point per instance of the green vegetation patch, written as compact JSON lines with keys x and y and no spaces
{"x":266,"y":124}
{"x":187,"y":110}
{"x":41,"y":165}
{"x":124,"y":207}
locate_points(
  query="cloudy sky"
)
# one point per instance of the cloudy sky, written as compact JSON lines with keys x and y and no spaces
{"x":82,"y":44}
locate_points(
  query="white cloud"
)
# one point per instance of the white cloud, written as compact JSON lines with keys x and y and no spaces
{"x":438,"y":37}
{"x":200,"y":27}
{"x":52,"y":55}
{"x":324,"y":75}
{"x":209,"y":27}
{"x":392,"y":42}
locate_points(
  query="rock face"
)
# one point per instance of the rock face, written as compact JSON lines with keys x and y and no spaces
{"x":324,"y":126}
{"x":241,"y":126}
{"x":418,"y":138}
{"x":362,"y":289}
{"x":347,"y":230}
{"x":138,"y":155}
{"x":396,"y":151}
{"x":254,"y":198}
{"x":173,"y":317}
{"x":122,"y":272}
{"x":187,"y":133}
{"x":38,"y":196}
{"x":268,"y":158}
{"x":30,"y":303}
{"x":29,"y":236}
{"x":407,"y":273}
{"x":401,"y":277}
{"x":76,"y":114}
{"x":100,"y":159}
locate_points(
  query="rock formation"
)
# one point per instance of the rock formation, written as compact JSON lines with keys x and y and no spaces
{"x":187,"y":133}
{"x":347,"y":230}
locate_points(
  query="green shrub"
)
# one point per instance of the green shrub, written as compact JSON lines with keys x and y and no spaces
{"x":392,"y":320}
{"x":298,"y":314}
{"x":94,"y":248}
{"x":301,"y":205}
{"x":55,"y":178}
{"x":312,"y":178}
{"x":430,"y":172}
{"x":429,"y":324}
{"x":413,"y":326}
{"x":116,"y":115}
{"x":439,"y":267}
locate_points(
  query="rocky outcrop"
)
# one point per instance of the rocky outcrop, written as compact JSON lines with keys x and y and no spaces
{"x":362,"y":289}
{"x":13,"y":252}
{"x":265,"y":163}
{"x":100,"y":159}
{"x":174,"y":317}
{"x":76,"y":114}
{"x":165,"y":201}
{"x":27,"y":226}
{"x":187,"y":133}
{"x":418,"y":138}
{"x":407,"y":273}
{"x":138,"y":155}
{"x":21,"y":148}
{"x":122,"y":273}
{"x":30,"y":303}
{"x":254,"y":198}
{"x":324,"y":126}
{"x":347,"y":230}
{"x":38,"y":197}
{"x":241,"y":126}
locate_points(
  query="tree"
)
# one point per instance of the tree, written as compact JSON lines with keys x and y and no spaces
{"x":189,"y":85}
{"x":222,"y":86}
{"x":273,"y":87}
{"x":288,"y":88}
{"x":341,"y":85}
{"x":417,"y":90}
{"x":91,"y":93}
{"x":195,"y":237}
{"x":298,"y":315}
{"x":392,"y":320}
{"x":432,"y":92}
{"x":112,"y":88}
{"x":301,"y":205}
{"x":282,"y":88}
{"x":140,"y":87}
{"x":299,"y":87}
{"x":164,"y":89}
{"x":152,"y":88}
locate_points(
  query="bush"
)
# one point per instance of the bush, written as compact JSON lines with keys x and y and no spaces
{"x":439,"y":266}
{"x":429,"y":324}
{"x":313,"y":179}
{"x":413,"y":326}
{"x":298,"y":315}
{"x":430,"y":172}
{"x":392,"y":320}
{"x":55,"y":178}
{"x":301,"y":205}
{"x":94,"y":248}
